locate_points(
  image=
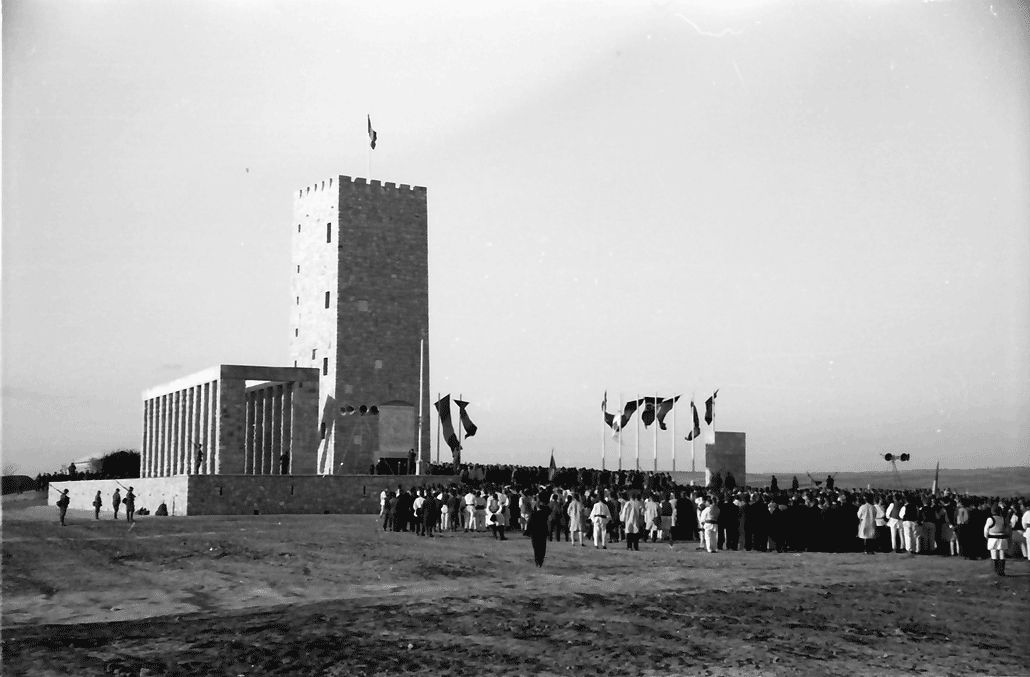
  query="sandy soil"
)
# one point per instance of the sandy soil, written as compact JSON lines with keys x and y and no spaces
{"x":334,"y":595}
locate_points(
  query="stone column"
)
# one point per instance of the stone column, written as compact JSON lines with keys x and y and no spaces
{"x":277,"y":429}
{"x":214,"y":452}
{"x":231,"y":420}
{"x":202,"y":429}
{"x":187,"y":438}
{"x":166,"y":434}
{"x":287,"y":426}
{"x":266,"y":441}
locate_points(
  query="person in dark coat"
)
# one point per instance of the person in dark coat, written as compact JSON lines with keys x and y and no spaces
{"x":538,"y":528}
{"x":62,"y":505}
{"x":116,"y":501}
{"x":130,"y":506}
{"x":97,"y":502}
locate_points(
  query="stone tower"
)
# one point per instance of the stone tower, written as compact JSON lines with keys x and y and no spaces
{"x":360,"y":305}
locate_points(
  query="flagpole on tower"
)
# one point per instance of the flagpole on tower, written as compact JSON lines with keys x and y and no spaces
{"x":460,"y":427}
{"x":604,"y":406}
{"x":692,"y":468}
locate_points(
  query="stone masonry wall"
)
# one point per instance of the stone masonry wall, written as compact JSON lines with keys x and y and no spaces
{"x":150,"y":492}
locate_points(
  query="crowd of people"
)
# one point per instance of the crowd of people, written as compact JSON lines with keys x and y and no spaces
{"x":715,"y":518}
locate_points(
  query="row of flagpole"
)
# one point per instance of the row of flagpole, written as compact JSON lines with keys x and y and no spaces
{"x":654,"y":409}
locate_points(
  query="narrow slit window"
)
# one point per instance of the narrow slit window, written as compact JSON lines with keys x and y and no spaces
{"x":325,"y":366}
{"x":327,"y":299}
{"x":329,"y":232}
{"x":314,"y":353}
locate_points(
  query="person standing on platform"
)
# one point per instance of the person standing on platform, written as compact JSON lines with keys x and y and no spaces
{"x":97,"y":502}
{"x":130,"y":506}
{"x":116,"y":501}
{"x":539,"y":527}
{"x":62,"y":505}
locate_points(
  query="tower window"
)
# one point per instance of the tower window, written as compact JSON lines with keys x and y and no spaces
{"x":296,"y":331}
{"x":327,"y":299}
{"x":298,"y":300}
{"x":325,"y":366}
{"x":321,"y":431}
{"x":298,"y":227}
{"x":329,"y":232}
{"x":298,"y":268}
{"x":314,"y":352}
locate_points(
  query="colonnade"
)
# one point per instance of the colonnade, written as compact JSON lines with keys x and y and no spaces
{"x":180,"y":432}
{"x":268,"y":431}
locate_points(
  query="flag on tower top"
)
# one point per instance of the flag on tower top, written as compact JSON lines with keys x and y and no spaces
{"x":371,"y":134}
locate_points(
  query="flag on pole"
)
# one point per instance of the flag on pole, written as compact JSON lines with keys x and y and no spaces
{"x":627,"y":413}
{"x":609,"y":418}
{"x":664,"y":407}
{"x":443,"y":409}
{"x":552,"y":468}
{"x":696,"y":432}
{"x":709,"y":406}
{"x":371,"y":134}
{"x":936,"y":477}
{"x":647,"y":413}
{"x":466,"y":422}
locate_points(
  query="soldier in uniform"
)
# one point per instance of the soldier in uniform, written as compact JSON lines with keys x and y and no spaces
{"x":62,"y":505}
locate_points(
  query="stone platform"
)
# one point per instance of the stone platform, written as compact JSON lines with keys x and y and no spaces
{"x":246,"y":494}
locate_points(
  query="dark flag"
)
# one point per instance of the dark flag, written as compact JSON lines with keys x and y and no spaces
{"x":627,"y":413}
{"x":443,"y":409}
{"x":371,"y":134}
{"x":648,"y":413}
{"x":466,"y":422}
{"x":664,"y":407}
{"x":709,"y":405}
{"x":696,"y":432}
{"x":552,"y":468}
{"x":609,"y":419}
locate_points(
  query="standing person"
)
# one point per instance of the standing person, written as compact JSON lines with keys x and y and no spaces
{"x":894,"y":524}
{"x":525,"y":510}
{"x":116,"y":501}
{"x":710,"y":524}
{"x":389,"y":510}
{"x":539,"y":527}
{"x":130,"y":506}
{"x":962,"y":526}
{"x":62,"y":505}
{"x":600,"y":515}
{"x":498,"y":516}
{"x":867,"y":525}
{"x":632,"y":517}
{"x":97,"y":502}
{"x":652,"y":518}
{"x":470,"y":511}
{"x":430,"y":514}
{"x":575,"y":512}
{"x":554,"y":521}
{"x":996,"y":531}
{"x":909,"y":526}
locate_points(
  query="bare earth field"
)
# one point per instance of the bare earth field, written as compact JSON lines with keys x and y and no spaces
{"x":334,"y":595}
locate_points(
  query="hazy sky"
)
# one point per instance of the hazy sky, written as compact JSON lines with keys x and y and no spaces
{"x":820,"y":208}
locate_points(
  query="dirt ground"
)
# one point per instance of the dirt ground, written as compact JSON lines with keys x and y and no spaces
{"x":335,"y":595}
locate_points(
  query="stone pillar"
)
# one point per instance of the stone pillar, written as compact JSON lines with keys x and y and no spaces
{"x":209,"y":437}
{"x":231,"y":418}
{"x":304,"y":438}
{"x":277,"y":429}
{"x":287,"y":426}
{"x":187,"y":438}
{"x":163,"y":432}
{"x":215,"y":452}
{"x":152,"y":438}
{"x":266,"y":440}
{"x":173,"y":421}
{"x":248,"y":436}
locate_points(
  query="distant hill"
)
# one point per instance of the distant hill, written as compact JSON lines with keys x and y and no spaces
{"x":980,"y":481}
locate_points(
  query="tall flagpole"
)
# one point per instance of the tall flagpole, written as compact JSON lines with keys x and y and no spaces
{"x":656,"y":431}
{"x":421,"y":399}
{"x":603,"y":412}
{"x":674,"y":435}
{"x":619,"y":414}
{"x":638,"y":433}
{"x":439,"y":424}
{"x":693,"y":437}
{"x":459,"y":426}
